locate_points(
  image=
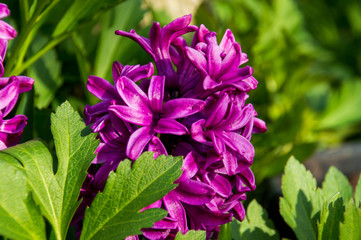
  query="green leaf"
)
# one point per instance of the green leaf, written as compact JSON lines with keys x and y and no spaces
{"x":350,"y":229}
{"x":80,"y":10}
{"x":115,"y":213}
{"x":300,"y":207}
{"x":335,"y":182}
{"x":58,"y":194}
{"x":225,"y":232}
{"x":358,"y":192}
{"x":331,"y":217}
{"x":20,"y":218}
{"x":256,"y":225}
{"x":191,"y":235}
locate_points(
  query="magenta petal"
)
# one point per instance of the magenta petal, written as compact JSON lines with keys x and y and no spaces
{"x":156,"y":204}
{"x":189,"y":168}
{"x":248,"y":178}
{"x":156,"y":146}
{"x":220,"y":184}
{"x":259,"y":126}
{"x":230,"y":162}
{"x":170,"y":126}
{"x":137,"y":142}
{"x":239,"y":144}
{"x":197,"y":131}
{"x":227,"y":41}
{"x":4,"y":11}
{"x":142,"y":41}
{"x":218,"y":114}
{"x":238,"y":117}
{"x":25,"y":83}
{"x":214,"y":55}
{"x":156,"y":93}
{"x":194,"y":193}
{"x":182,"y":107}
{"x":117,"y":70}
{"x":202,"y":217}
{"x":141,"y":72}
{"x":239,"y":212}
{"x":136,"y":116}
{"x":101,"y":88}
{"x":150,"y":233}
{"x":133,"y":237}
{"x":176,"y":210}
{"x":197,"y":58}
{"x":6,"y":31}
{"x":218,"y":143}
{"x":13,"y":125}
{"x":9,"y":95}
{"x":132,"y":95}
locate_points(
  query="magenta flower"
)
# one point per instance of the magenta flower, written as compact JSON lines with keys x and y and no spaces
{"x":10,"y":88}
{"x":194,"y":107}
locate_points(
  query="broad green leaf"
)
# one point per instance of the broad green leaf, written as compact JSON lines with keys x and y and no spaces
{"x":225,"y":232}
{"x":20,"y":218}
{"x":331,"y":217}
{"x":335,"y":182}
{"x":58,"y":194}
{"x":358,"y":192}
{"x":300,"y":207}
{"x":191,"y":235}
{"x":80,"y":10}
{"x":47,"y":72}
{"x":115,"y":213}
{"x":256,"y":225}
{"x":350,"y":228}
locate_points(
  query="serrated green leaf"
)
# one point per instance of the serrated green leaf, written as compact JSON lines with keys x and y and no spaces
{"x":300,"y":207}
{"x":225,"y":232}
{"x":350,"y":228}
{"x":335,"y":182}
{"x":358,"y":192}
{"x":58,"y":194}
{"x":20,"y":218}
{"x":115,"y":213}
{"x":191,"y":235}
{"x":255,"y":226}
{"x":331,"y":217}
{"x":78,"y":11}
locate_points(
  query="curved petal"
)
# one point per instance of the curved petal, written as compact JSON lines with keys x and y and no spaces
{"x":13,"y":125}
{"x":142,"y":41}
{"x":4,"y":11}
{"x":128,"y":114}
{"x":248,"y":179}
{"x":176,"y":210}
{"x":239,"y":212}
{"x":213,"y":55}
{"x":170,"y":126}
{"x":219,"y":111}
{"x":197,"y":59}
{"x":9,"y":95}
{"x":140,"y":72}
{"x":156,"y":146}
{"x":6,"y":31}
{"x":220,"y":184}
{"x":189,"y":168}
{"x":182,"y":107}
{"x":25,"y":83}
{"x":259,"y":126}
{"x":194,"y":192}
{"x":197,"y":132}
{"x":156,"y":93}
{"x":239,"y":144}
{"x":137,"y":142}
{"x":101,"y":88}
{"x":131,"y":94}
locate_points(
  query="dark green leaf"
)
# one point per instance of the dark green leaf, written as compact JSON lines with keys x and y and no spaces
{"x":350,"y":228}
{"x":358,"y":192}
{"x":115,"y":213}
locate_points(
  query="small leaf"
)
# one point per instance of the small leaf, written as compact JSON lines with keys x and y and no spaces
{"x":20,"y":218}
{"x":335,"y":182}
{"x":115,"y":213}
{"x":358,"y":192}
{"x":331,"y":217}
{"x":256,"y":224}
{"x":300,"y":207}
{"x":191,"y":235}
{"x":350,"y":229}
{"x":58,"y":194}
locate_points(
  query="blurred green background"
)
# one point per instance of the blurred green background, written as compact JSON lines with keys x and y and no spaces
{"x":305,"y":54}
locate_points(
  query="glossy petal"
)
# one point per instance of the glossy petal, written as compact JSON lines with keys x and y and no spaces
{"x":13,"y":125}
{"x":9,"y":95}
{"x":182,"y":107}
{"x":189,"y":167}
{"x":6,"y":31}
{"x":4,"y":11}
{"x":156,"y":93}
{"x":137,"y":142}
{"x":101,"y":88}
{"x":200,"y":216}
{"x":197,"y":132}
{"x":156,"y":146}
{"x":176,"y":210}
{"x":194,"y":193}
{"x":170,"y":126}
{"x":136,"y":116}
{"x":220,"y":184}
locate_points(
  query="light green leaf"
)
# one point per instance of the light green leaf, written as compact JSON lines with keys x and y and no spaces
{"x":20,"y":218}
{"x":331,"y":217}
{"x":300,"y":207}
{"x":80,"y":10}
{"x":255,"y":226}
{"x":358,"y":192}
{"x":191,"y":235}
{"x":58,"y":194}
{"x":225,"y":232}
{"x":335,"y":182}
{"x":115,"y":213}
{"x":350,"y":228}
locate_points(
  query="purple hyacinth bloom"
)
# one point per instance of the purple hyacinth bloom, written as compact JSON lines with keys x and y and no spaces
{"x":195,"y":107}
{"x":10,"y":88}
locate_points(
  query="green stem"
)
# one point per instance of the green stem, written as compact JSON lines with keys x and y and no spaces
{"x":51,"y":44}
{"x":24,"y":10}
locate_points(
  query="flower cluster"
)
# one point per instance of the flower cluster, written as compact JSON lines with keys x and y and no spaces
{"x":10,"y":88}
{"x":195,"y":106}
